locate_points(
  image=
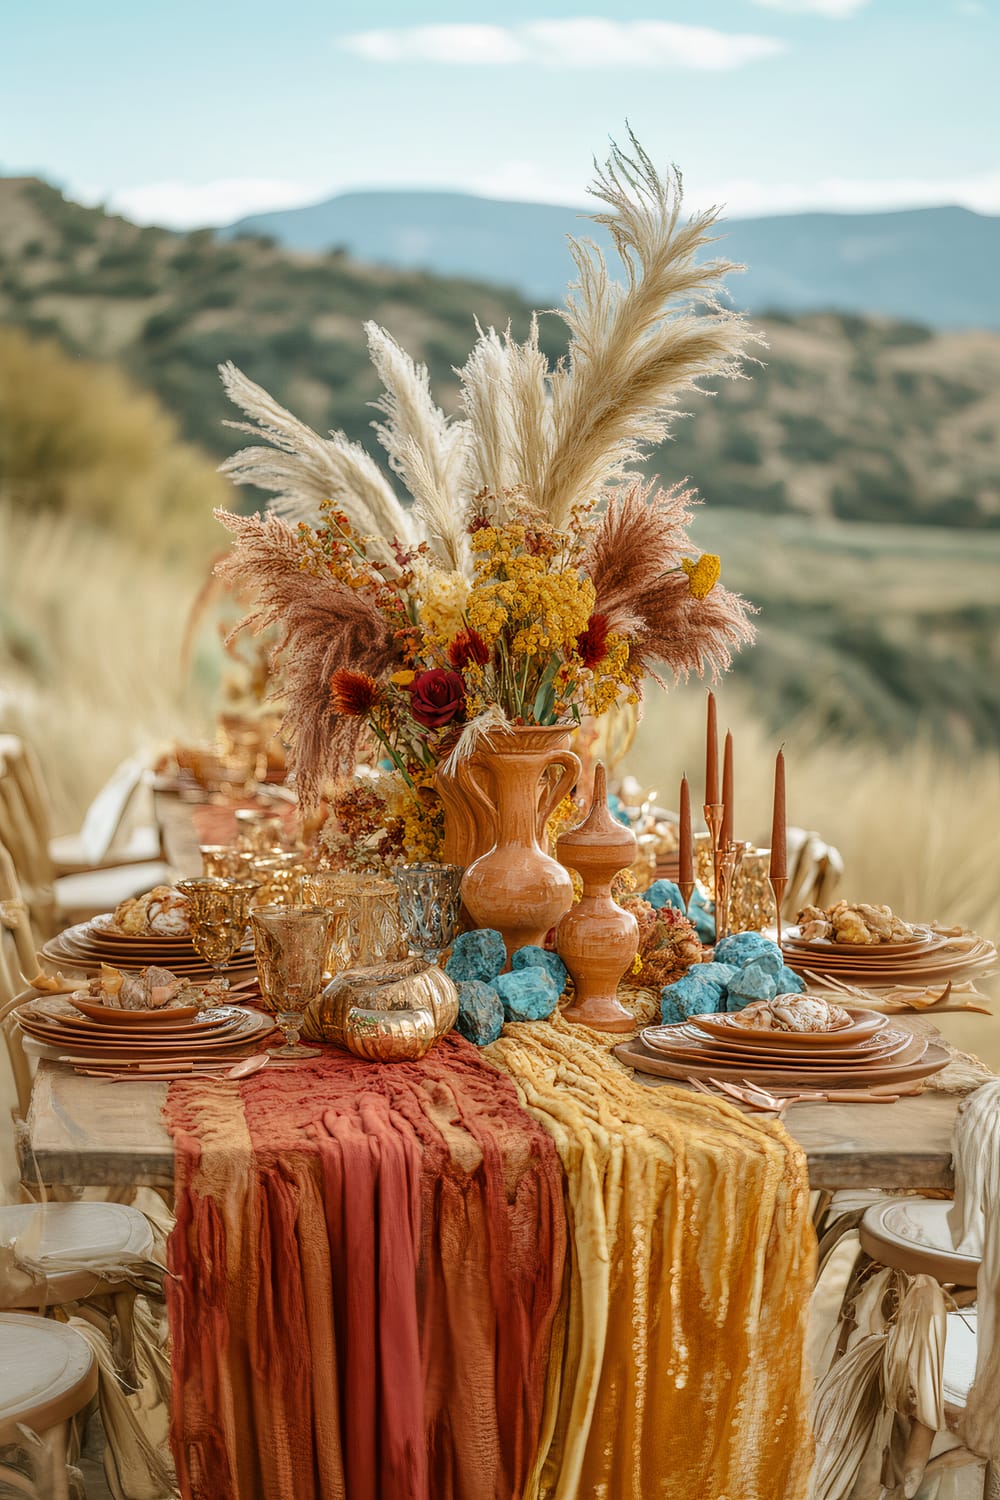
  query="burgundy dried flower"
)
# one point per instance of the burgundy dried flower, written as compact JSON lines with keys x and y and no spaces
{"x":437,"y":697}
{"x":353,"y":693}
{"x":468,"y":647}
{"x":592,"y":643}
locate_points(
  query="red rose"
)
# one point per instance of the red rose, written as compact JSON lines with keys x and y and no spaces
{"x":437,"y":697}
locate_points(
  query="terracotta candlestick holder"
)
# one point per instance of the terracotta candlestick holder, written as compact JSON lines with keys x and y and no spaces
{"x":597,"y":939}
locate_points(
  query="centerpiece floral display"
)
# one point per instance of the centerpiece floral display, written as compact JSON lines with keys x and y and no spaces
{"x":536,"y":577}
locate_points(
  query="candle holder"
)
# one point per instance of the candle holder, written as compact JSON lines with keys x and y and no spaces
{"x":725,"y":870}
{"x":686,"y":887}
{"x":778,"y":884}
{"x":715,"y":813}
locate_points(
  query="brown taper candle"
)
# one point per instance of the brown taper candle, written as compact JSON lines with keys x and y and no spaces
{"x":711,"y":754}
{"x":778,"y":868}
{"x":727,"y":792}
{"x":685,"y":853}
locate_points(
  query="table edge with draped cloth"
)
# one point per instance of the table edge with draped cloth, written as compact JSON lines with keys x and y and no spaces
{"x":482,"y":1276}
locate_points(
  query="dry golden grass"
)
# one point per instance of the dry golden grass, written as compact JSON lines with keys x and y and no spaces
{"x":90,"y":637}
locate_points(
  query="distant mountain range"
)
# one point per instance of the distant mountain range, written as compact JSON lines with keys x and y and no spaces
{"x":935,"y":266}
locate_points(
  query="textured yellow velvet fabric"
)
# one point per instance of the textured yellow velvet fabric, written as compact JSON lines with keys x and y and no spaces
{"x":678,"y":1367}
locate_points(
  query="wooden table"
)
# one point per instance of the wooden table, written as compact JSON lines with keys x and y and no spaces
{"x":94,"y":1133}
{"x":90,"y":1132}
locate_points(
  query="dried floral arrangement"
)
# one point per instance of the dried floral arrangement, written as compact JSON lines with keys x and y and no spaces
{"x":535,"y":577}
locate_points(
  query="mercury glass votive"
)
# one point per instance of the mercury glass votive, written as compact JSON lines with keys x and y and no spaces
{"x":280,"y":876}
{"x":751,"y":905}
{"x":224,"y":862}
{"x":430,"y":901}
{"x":369,"y":932}
{"x":257,"y":832}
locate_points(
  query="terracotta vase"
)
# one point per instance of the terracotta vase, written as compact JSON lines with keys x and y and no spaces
{"x":516,"y":887}
{"x":469,"y":823}
{"x":597,"y":939}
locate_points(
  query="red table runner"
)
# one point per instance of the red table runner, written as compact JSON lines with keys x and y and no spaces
{"x":364,"y":1273}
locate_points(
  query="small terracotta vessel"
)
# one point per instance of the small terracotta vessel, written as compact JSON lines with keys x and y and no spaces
{"x":597,"y":939}
{"x":516,"y":887}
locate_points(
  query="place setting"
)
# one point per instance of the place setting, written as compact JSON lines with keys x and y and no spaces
{"x":790,"y":1042}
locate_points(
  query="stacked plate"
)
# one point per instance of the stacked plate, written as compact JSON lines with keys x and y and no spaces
{"x":929,"y":958}
{"x":88,"y":945}
{"x":866,"y":1052}
{"x":73,"y":1029}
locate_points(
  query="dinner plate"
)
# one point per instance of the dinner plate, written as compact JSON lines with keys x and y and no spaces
{"x":881,"y":1048}
{"x":924,"y":940}
{"x":116,"y":1015}
{"x":878,"y":1044}
{"x":246,"y":1024}
{"x":863,"y":1023}
{"x":925,"y":1059}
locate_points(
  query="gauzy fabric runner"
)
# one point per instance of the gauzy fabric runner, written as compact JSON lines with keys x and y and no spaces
{"x":678,"y":1365}
{"x":364,"y":1274}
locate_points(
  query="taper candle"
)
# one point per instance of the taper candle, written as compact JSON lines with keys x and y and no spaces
{"x":778,"y":869}
{"x":727,"y":792}
{"x":711,"y":754}
{"x":685,"y":853}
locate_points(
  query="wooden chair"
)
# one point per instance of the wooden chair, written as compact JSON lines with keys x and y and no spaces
{"x":55,"y":900}
{"x":957,"y":1247}
{"x":48,"y":1376}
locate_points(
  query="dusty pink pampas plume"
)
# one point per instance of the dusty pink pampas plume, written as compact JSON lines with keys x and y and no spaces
{"x":322,"y":625}
{"x":639,"y":538}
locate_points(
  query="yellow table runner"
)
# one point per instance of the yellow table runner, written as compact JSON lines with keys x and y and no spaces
{"x":677,"y":1366}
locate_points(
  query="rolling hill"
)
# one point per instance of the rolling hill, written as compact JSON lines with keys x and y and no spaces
{"x":853,"y":481}
{"x":847,"y":417}
{"x":930,"y":265}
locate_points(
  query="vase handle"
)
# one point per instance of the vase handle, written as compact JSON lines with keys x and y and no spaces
{"x":467,"y":779}
{"x":572,"y":768}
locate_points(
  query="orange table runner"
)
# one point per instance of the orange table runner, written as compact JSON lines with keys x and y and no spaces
{"x":364,"y":1273}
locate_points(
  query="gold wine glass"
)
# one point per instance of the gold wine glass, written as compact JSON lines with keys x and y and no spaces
{"x":290,"y":944}
{"x":218,"y":909}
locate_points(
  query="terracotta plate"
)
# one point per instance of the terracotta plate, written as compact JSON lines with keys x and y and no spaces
{"x":878,"y":1043}
{"x":923,"y":936}
{"x":116,"y":1015}
{"x":919,"y":1062}
{"x":863,"y":1023}
{"x":882,"y":1047}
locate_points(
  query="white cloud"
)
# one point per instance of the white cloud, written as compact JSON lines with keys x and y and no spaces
{"x":747,"y":197}
{"x":188,"y":205}
{"x":586,"y":42}
{"x":834,"y":10}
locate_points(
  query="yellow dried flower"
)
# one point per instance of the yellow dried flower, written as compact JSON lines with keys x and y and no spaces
{"x":441,"y":598}
{"x":703,"y":575}
{"x":402,"y":679}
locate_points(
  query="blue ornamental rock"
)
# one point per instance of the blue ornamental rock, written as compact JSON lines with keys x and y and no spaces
{"x":702,"y":918}
{"x":699,"y":992}
{"x":480,"y":1014}
{"x":527,"y":994}
{"x":531,"y":957}
{"x":740,"y":947}
{"x":756,"y":980}
{"x":664,"y":893}
{"x":789,"y":983}
{"x":479,"y":954}
{"x":617,"y":810}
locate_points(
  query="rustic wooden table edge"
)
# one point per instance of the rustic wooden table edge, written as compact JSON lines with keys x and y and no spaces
{"x":89,"y":1132}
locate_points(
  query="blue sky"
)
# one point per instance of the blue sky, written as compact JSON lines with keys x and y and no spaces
{"x":195,"y":111}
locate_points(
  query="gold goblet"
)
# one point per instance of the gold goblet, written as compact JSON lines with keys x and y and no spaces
{"x":224,"y":861}
{"x":217,"y":915}
{"x":290,"y":944}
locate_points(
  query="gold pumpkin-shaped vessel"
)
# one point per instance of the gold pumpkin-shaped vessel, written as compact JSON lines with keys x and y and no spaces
{"x":390,"y":1013}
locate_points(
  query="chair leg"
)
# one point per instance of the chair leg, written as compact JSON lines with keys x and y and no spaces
{"x":991,"y":1482}
{"x":56,"y":1444}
